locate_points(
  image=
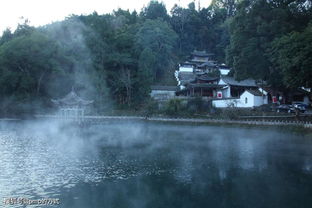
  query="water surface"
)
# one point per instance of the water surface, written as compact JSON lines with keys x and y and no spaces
{"x":151,"y":165}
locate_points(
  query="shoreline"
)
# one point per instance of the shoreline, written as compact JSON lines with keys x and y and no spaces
{"x":97,"y":119}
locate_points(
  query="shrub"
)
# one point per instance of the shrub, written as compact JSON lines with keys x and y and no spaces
{"x":173,"y":107}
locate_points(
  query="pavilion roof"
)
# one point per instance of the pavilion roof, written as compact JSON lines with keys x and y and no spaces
{"x":71,"y":99}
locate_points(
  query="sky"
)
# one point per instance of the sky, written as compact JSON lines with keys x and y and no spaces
{"x":41,"y":12}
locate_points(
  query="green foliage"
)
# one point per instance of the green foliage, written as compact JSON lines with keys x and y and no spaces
{"x":151,"y":107}
{"x":228,"y":5}
{"x":115,"y":58}
{"x":160,"y":40}
{"x":155,"y":10}
{"x":24,"y":29}
{"x":147,"y":61}
{"x":204,"y":29}
{"x":28,"y":64}
{"x":6,"y":36}
{"x":28,"y":60}
{"x":291,"y":55}
{"x":187,"y":108}
{"x":253,"y":51}
{"x":196,"y":105}
{"x":173,"y":107}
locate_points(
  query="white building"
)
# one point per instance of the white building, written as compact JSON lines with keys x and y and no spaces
{"x":186,"y":67}
{"x":204,"y":77}
{"x":249,"y":99}
{"x":224,"y":70}
{"x":162,"y":93}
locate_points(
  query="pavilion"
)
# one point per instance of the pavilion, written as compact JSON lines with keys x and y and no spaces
{"x":72,"y":106}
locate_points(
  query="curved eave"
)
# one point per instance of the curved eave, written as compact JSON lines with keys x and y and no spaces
{"x":81,"y":103}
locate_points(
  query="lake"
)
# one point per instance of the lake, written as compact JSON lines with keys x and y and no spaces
{"x":145,"y":164}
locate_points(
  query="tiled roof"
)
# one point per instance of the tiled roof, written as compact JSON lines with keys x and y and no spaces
{"x":72,"y":99}
{"x":164,"y":87}
{"x":206,"y":77}
{"x":186,"y":76}
{"x":243,"y":83}
{"x":204,"y":85}
{"x":255,"y":92}
{"x":201,"y":53}
{"x":209,"y":64}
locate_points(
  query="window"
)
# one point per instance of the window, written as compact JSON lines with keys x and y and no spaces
{"x":246,"y":100}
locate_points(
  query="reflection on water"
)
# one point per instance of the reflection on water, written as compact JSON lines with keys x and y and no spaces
{"x":155,"y":165}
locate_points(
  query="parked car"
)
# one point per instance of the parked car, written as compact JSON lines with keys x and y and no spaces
{"x":290,"y":108}
{"x":300,"y":103}
{"x":284,"y":108}
{"x":301,"y":107}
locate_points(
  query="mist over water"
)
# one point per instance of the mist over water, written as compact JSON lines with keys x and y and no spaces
{"x":138,"y":164}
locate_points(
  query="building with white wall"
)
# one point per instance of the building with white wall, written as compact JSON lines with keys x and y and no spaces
{"x":249,"y":99}
{"x":162,"y":93}
{"x":202,"y":76}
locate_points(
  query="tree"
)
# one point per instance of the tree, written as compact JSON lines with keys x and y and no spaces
{"x":178,"y":20}
{"x":291,"y":55}
{"x":147,"y":61}
{"x":155,"y":10}
{"x":253,"y":28}
{"x":228,"y":5}
{"x":27,"y":64}
{"x":6,"y":36}
{"x":24,"y":29}
{"x":161,"y":40}
{"x":32,"y":56}
{"x":204,"y":29}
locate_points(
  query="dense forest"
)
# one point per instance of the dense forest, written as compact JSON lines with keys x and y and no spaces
{"x":115,"y":58}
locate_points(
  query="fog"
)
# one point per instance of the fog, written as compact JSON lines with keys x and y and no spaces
{"x":141,"y":164}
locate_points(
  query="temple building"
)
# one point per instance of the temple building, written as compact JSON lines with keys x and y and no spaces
{"x":199,"y":85}
{"x":201,"y":57}
{"x":201,"y":76}
{"x":72,"y":106}
{"x":200,"y":63}
{"x":234,"y":88}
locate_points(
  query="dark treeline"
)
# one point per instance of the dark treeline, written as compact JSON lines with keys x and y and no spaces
{"x":115,"y":58}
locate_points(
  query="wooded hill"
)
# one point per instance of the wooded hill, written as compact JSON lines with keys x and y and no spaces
{"x":115,"y":58}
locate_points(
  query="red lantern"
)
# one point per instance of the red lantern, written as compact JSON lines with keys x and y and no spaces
{"x":219,"y":94}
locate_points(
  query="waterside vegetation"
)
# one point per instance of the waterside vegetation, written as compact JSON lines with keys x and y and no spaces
{"x":114,"y":58}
